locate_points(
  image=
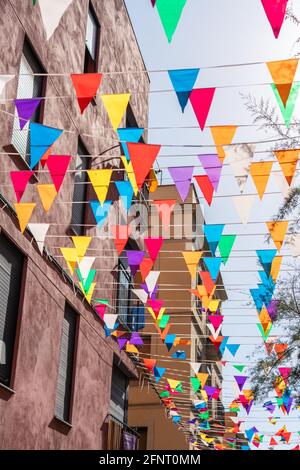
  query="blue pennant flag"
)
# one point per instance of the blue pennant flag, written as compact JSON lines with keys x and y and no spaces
{"x":213,"y":265}
{"x":126,"y":193}
{"x":169,"y":341}
{"x":183,"y":82}
{"x":223,"y":344}
{"x":158,"y":372}
{"x":129,"y":134}
{"x":232,"y":348}
{"x":213,"y":235}
{"x":266,"y":258}
{"x":41,"y":139}
{"x":100,"y":212}
{"x":256,"y":296}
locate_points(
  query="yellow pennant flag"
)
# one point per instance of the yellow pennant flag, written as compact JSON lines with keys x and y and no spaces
{"x":213,"y":305}
{"x":275,"y":268}
{"x":288,"y":161}
{"x":283,"y":74}
{"x":24,"y":211}
{"x":264,"y":316}
{"x":192,"y":259}
{"x":81,"y":245}
{"x":71,"y":257}
{"x":278,"y":231}
{"x":115,"y":106}
{"x":222,"y":135}
{"x":47,"y":193}
{"x":173,"y":383}
{"x":88,"y":296}
{"x":131,"y":348}
{"x":100,"y":180}
{"x":131,"y":176}
{"x":260,"y":172}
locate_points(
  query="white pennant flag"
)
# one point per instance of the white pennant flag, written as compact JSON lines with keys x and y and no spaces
{"x":196,"y":366}
{"x":240,"y":156}
{"x":243,"y":205}
{"x":85,"y":266}
{"x":110,"y":320}
{"x":141,"y":294}
{"x":281,"y":183}
{"x":215,"y":333}
{"x":39,"y":232}
{"x":4,"y":79}
{"x":52,"y":12}
{"x":151,"y":280}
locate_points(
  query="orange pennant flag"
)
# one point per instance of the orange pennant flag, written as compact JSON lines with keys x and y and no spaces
{"x":121,"y":234}
{"x":275,"y":268}
{"x":222,"y":135}
{"x":145,"y":267}
{"x":283,"y":74}
{"x":165,"y":209}
{"x":86,"y":86}
{"x":288,"y":161}
{"x":192,"y":259}
{"x":278,"y":231}
{"x":24,"y":211}
{"x":47,"y":194}
{"x":260,"y":172}
{"x":142,"y":157}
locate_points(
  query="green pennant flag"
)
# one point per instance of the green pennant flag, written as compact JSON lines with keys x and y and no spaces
{"x":265,"y":334}
{"x":288,"y":109}
{"x":204,"y":415}
{"x":195,"y":384}
{"x":170,"y":13}
{"x":239,"y":368}
{"x":164,"y":394}
{"x":225,"y":246}
{"x":86,"y":283}
{"x":164,"y":321}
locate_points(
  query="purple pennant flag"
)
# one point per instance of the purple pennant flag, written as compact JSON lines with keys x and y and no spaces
{"x":136,"y":339}
{"x":272,"y":309}
{"x":182,"y":177}
{"x":134,"y":259}
{"x":121,"y":342}
{"x":210,"y":391}
{"x":25,"y":109}
{"x":153,"y":2}
{"x":213,"y":167}
{"x":240,"y":380}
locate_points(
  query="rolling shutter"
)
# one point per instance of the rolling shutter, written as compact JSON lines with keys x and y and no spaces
{"x":118,"y":397}
{"x":80,"y":190}
{"x":11,"y":264}
{"x":66,"y":362}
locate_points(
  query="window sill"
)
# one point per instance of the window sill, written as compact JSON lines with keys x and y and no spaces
{"x":60,"y":425}
{"x":7,"y":390}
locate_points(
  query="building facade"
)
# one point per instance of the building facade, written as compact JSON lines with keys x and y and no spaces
{"x":63,"y":384}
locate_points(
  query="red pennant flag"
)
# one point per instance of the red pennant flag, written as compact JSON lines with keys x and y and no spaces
{"x":142,"y":157}
{"x":165,"y":209}
{"x":206,"y":187}
{"x":20,"y":180}
{"x":58,"y":165}
{"x":150,"y":363}
{"x":217,"y":342}
{"x":86,"y":86}
{"x":201,"y":99}
{"x":153,"y":246}
{"x":121,"y":234}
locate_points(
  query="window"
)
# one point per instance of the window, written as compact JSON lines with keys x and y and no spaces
{"x":80,"y":190}
{"x":137,"y":314}
{"x":66,"y":365}
{"x":11,"y":265}
{"x":92,"y":40}
{"x":118,"y":395}
{"x":29,"y":86}
{"x":124,"y":288}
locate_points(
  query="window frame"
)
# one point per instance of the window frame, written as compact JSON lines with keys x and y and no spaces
{"x":88,"y":59}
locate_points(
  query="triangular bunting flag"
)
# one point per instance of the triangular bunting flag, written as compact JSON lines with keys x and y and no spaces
{"x":278,"y":231}
{"x":26,"y":109}
{"x":130,"y":173}
{"x":201,"y":99}
{"x":192,"y":259}
{"x":213,"y":265}
{"x":260,"y":172}
{"x":121,"y":234}
{"x":240,"y":156}
{"x":225,"y":246}
{"x":81,"y":244}
{"x":116,"y":106}
{"x":288,"y":160}
{"x":158,"y":373}
{"x":39,"y":232}
{"x":183,"y":82}
{"x":287,"y":109}
{"x":142,"y":157}
{"x":275,"y":11}
{"x":20,"y":180}
{"x":153,"y":246}
{"x":24,"y":211}
{"x":243,"y":205}
{"x":266,"y":258}
{"x":206,"y":187}
{"x":129,"y":134}
{"x":47,"y":193}
{"x":52,"y":12}
{"x":126,"y":193}
{"x":170,"y":13}
{"x":207,"y":282}
{"x":182,"y":177}
{"x":58,"y":165}
{"x":283,"y":74}
{"x":100,"y":211}
{"x":240,"y":380}
{"x":134,"y":258}
{"x":86,"y":86}
{"x":222,"y":135}
{"x":100,"y":180}
{"x":213,"y":168}
{"x":41,"y":138}
{"x":213,"y":235}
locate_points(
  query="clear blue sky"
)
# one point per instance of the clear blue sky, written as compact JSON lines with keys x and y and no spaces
{"x":218,"y":32}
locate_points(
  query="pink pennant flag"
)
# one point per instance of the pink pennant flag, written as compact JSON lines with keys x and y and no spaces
{"x":213,"y":168}
{"x":153,"y":246}
{"x":201,"y":99}
{"x":275,"y":11}
{"x":100,"y":309}
{"x":20,"y":180}
{"x":215,"y":320}
{"x":156,"y":305}
{"x":58,"y":165}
